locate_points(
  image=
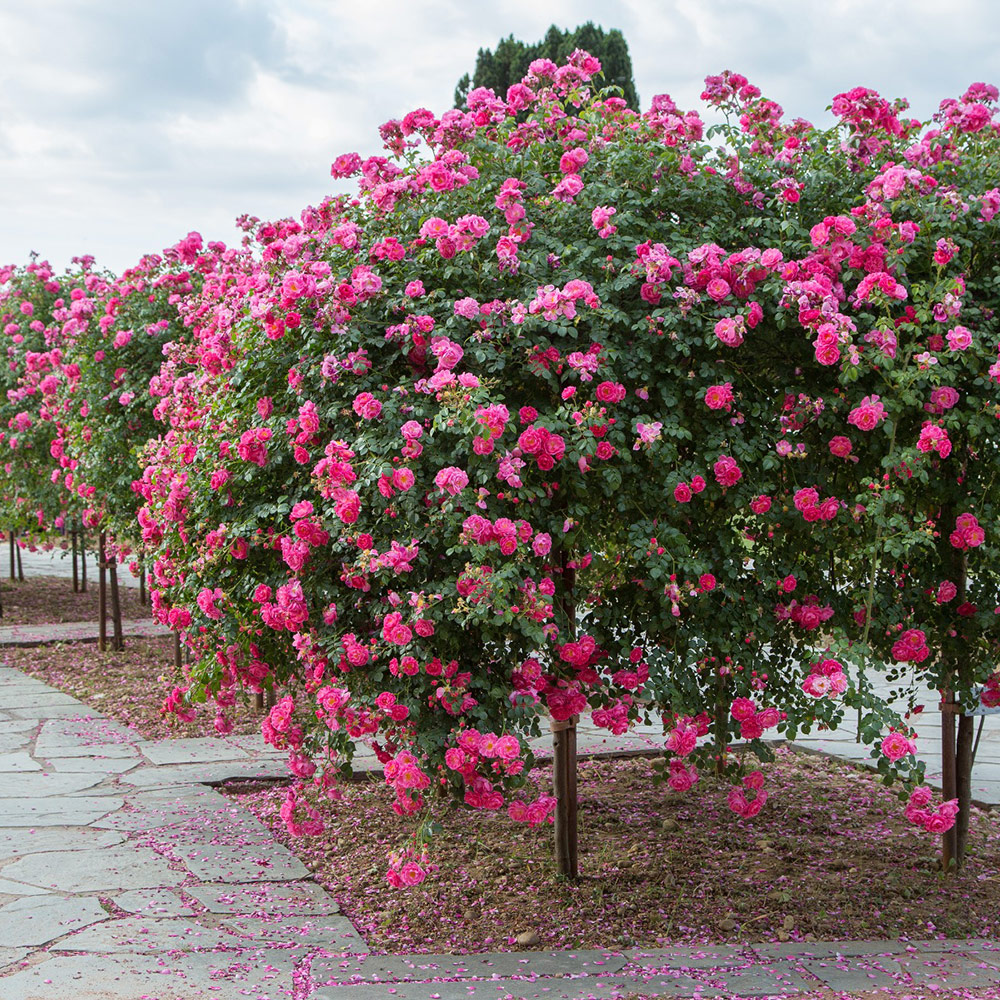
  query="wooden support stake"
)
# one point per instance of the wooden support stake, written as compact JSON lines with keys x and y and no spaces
{"x":83,"y":558}
{"x":949,"y":783}
{"x":118,"y":640}
{"x":102,"y":595}
{"x":20,"y":567}
{"x":76,"y":557}
{"x":12,"y":546}
{"x":963,"y":784}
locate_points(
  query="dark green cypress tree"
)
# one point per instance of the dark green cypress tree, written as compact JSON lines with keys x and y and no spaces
{"x":510,"y":61}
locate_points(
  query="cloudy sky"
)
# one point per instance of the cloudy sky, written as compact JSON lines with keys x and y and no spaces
{"x":124,"y":124}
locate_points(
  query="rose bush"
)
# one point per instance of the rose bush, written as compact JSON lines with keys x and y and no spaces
{"x":112,"y":387}
{"x":41,"y":315}
{"x":677,"y":424}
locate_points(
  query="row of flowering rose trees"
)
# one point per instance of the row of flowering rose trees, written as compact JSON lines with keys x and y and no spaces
{"x":573,"y":409}
{"x":84,"y":352}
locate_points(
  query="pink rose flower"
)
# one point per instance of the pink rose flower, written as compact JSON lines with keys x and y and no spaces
{"x":896,"y":746}
{"x":727,"y":472}
{"x":451,"y":480}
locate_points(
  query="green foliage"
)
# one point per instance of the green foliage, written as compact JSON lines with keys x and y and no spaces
{"x":508,"y":63}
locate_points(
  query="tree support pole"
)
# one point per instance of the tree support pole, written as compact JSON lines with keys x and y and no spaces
{"x":102,"y":595}
{"x":949,"y":782}
{"x":20,"y":567}
{"x":76,"y":568}
{"x":118,"y":642}
{"x":963,"y":784}
{"x":956,"y":740}
{"x":83,"y":558}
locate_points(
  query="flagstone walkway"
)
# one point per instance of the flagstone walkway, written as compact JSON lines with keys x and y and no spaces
{"x":123,"y":875}
{"x":40,"y":635}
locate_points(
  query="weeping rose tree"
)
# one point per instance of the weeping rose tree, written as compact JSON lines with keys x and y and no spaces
{"x":899,"y":296}
{"x":110,"y":394}
{"x":574,"y":413}
{"x":41,"y":314}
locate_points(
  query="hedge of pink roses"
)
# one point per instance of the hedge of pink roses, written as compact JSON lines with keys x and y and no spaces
{"x":571,"y":409}
{"x":41,"y":314}
{"x":639,"y":461}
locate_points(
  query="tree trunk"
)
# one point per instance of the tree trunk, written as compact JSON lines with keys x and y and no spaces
{"x":564,"y":782}
{"x":142,"y":586}
{"x":178,"y":661}
{"x":963,"y":785}
{"x":102,"y":595}
{"x":258,"y":702}
{"x":118,"y":641}
{"x":12,"y":547}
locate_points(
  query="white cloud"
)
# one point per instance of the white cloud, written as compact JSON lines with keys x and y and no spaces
{"x":124,"y":125}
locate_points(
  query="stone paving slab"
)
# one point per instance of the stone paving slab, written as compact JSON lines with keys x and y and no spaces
{"x":81,"y":811}
{"x":42,"y":635}
{"x":707,"y":957}
{"x":831,"y":950}
{"x":529,"y":989}
{"x":43,"y":712}
{"x":184,"y":976}
{"x":171,"y":775}
{"x":192,"y":751}
{"x":260,"y":862}
{"x":104,"y":766}
{"x":18,"y":762}
{"x":153,"y":903}
{"x":9,"y":956}
{"x":38,"y":920}
{"x":294,"y":898}
{"x":193,"y":823}
{"x":332,"y":932}
{"x":253,"y":743}
{"x":765,"y":980}
{"x":64,"y":751}
{"x":944,"y":971}
{"x":16,"y":785}
{"x":422,"y":968}
{"x":193,"y":808}
{"x":31,"y":697}
{"x":847,"y":973}
{"x":97,"y":735}
{"x":11,"y":888}
{"x":14,"y":742}
{"x":14,"y":843}
{"x":17,"y":733}
{"x":123,"y":867}
{"x":150,"y":936}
